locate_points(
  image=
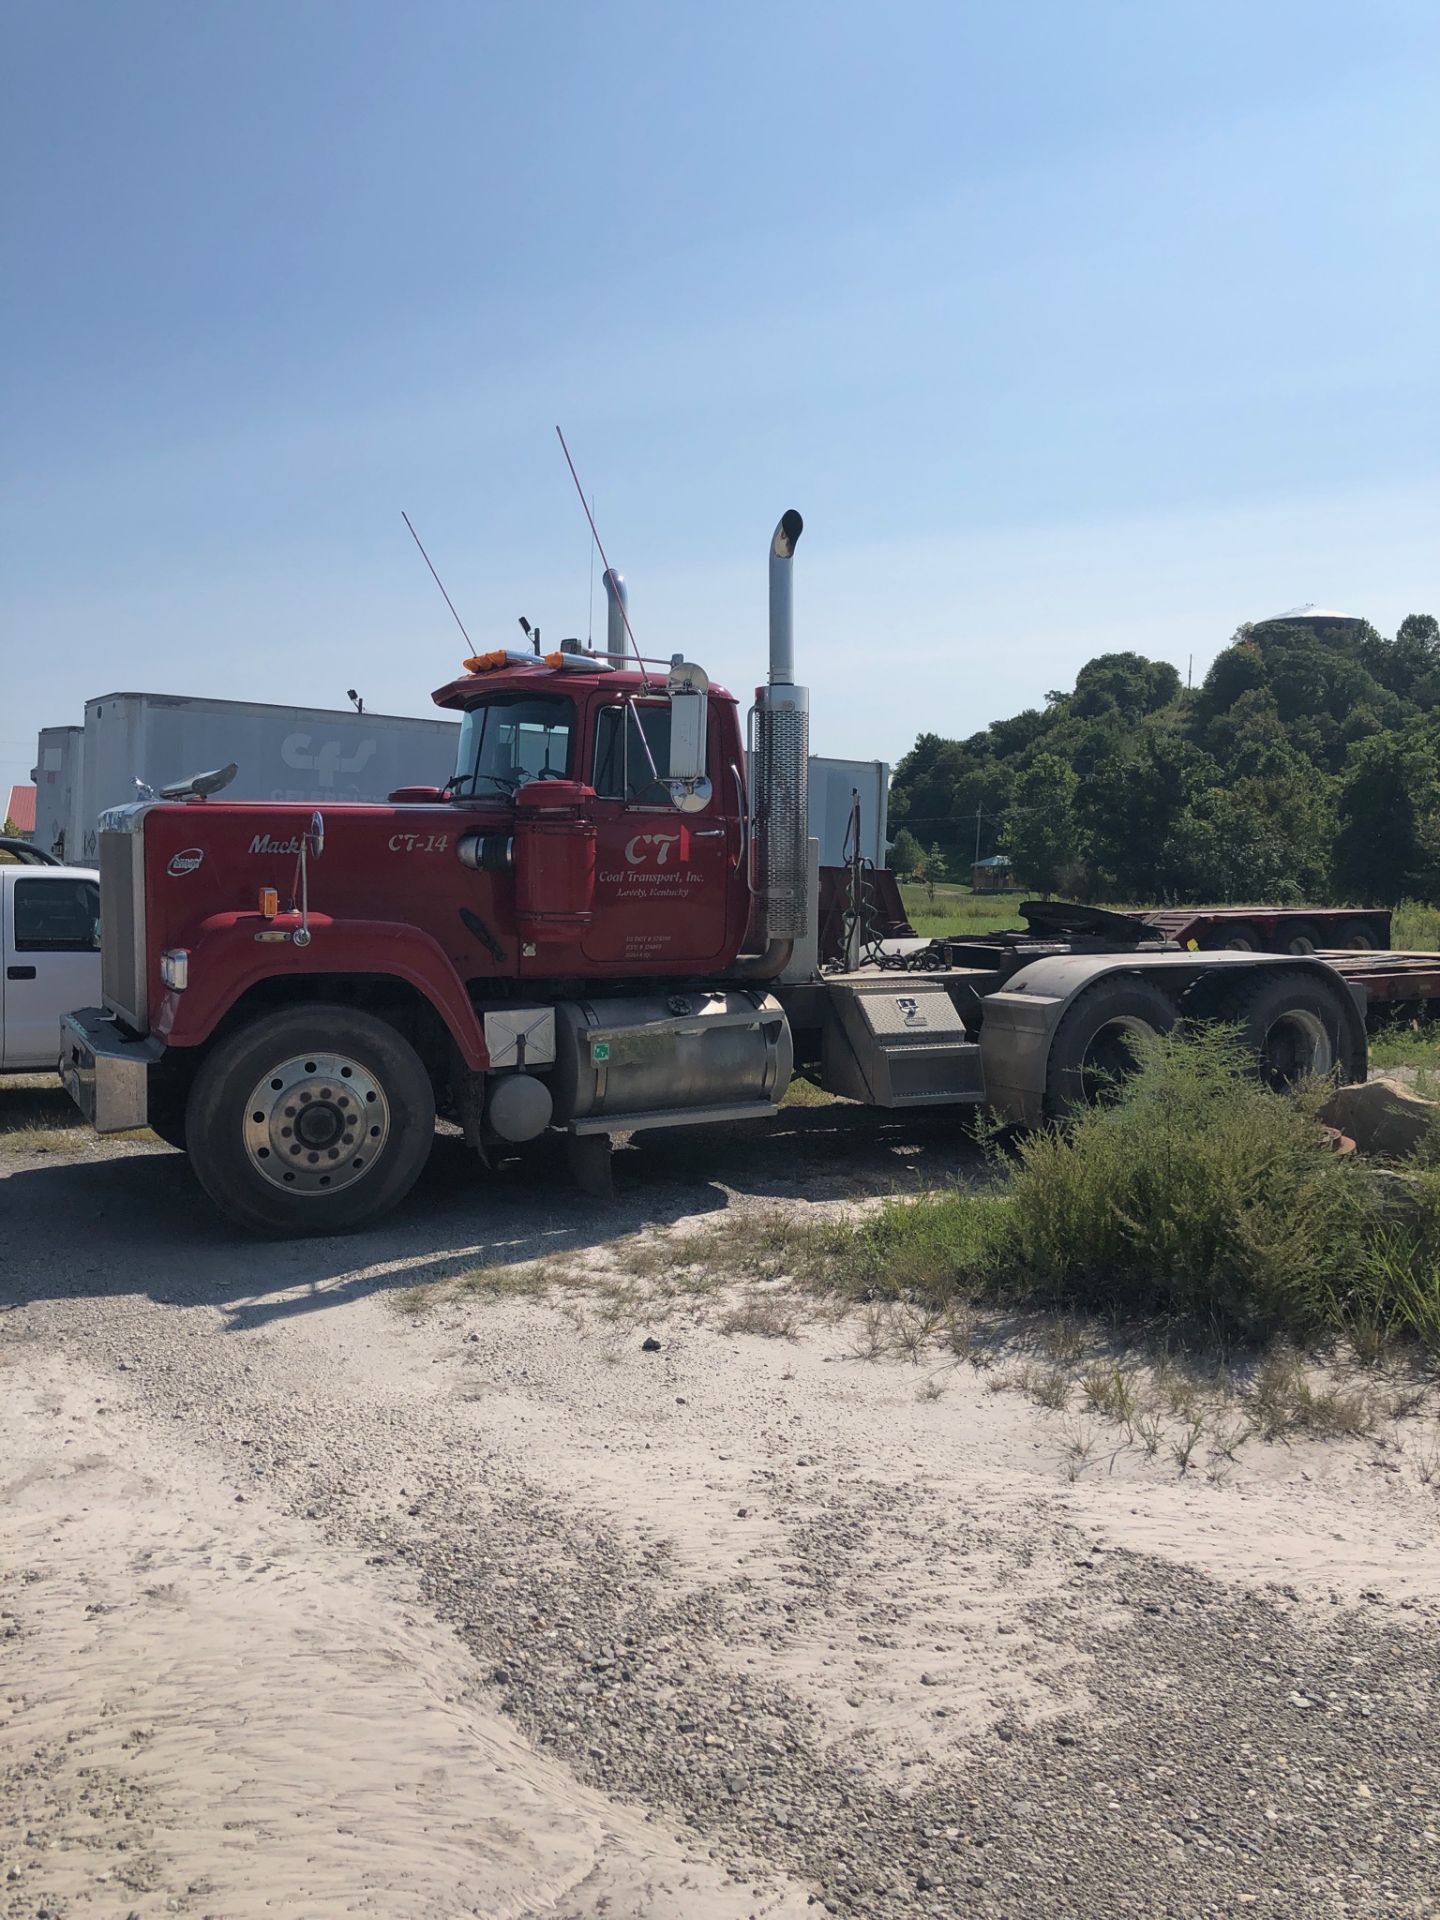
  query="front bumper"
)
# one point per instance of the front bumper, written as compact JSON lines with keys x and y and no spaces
{"x":106,"y":1072}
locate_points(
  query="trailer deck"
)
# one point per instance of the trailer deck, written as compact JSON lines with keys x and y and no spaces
{"x":1394,"y":978}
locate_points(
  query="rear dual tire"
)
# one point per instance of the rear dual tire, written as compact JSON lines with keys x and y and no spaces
{"x":1297,"y":1027}
{"x":1294,"y":1024}
{"x":311,"y":1120}
{"x":1094,"y":1049}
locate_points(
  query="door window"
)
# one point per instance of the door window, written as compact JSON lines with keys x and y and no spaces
{"x":629,"y":741}
{"x":57,"y":916}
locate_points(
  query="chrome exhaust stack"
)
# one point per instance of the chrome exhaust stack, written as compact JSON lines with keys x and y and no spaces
{"x":617,"y":602}
{"x":780,"y":764}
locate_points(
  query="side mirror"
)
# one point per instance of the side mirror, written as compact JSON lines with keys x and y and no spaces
{"x":689,"y":688}
{"x":317,"y":834}
{"x":689,"y":796}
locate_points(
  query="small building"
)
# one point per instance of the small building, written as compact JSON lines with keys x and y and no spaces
{"x":994,"y":875}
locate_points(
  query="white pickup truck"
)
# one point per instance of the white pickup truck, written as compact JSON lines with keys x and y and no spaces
{"x":49,"y":959}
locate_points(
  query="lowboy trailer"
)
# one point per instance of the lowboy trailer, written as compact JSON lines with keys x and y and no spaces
{"x":599,"y":926}
{"x":1275,"y":929}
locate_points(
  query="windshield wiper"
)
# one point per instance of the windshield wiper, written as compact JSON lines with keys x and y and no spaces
{"x":503,"y":781}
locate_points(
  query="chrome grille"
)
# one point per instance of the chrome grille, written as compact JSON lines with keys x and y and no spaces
{"x":122,"y":926}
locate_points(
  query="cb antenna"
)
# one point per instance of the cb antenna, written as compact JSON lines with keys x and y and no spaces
{"x":438,"y":581}
{"x":595,"y":533}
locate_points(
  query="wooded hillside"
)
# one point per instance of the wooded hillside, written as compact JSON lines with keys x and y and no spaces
{"x":1306,"y":766}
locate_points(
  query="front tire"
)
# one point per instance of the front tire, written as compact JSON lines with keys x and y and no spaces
{"x":315,"y":1119}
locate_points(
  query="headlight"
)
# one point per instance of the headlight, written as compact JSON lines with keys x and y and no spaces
{"x":175,"y":969}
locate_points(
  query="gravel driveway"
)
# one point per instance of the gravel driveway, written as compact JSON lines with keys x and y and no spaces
{"x":316,"y":1607}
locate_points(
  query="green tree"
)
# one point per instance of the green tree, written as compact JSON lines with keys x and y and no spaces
{"x":935,"y":870}
{"x":1042,"y":833}
{"x":1135,"y":809}
{"x":906,"y":853}
{"x":1124,"y":683}
{"x":1302,"y":768}
{"x":1388,"y":805}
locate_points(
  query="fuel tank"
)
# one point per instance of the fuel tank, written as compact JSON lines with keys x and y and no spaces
{"x":671,"y":1053}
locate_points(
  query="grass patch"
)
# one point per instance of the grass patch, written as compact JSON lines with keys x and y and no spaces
{"x":508,"y":1283}
{"x":42,"y":1139}
{"x":418,"y":1300}
{"x":1197,"y":1199}
{"x":1415,"y":927}
{"x":958,"y":910}
{"x":65,"y":1137}
{"x":38,"y":1116}
{"x":526,"y":1280}
{"x":1407,"y":1043}
{"x":805,"y":1093}
{"x":762,"y":1314}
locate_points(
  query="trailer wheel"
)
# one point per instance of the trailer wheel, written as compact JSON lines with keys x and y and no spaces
{"x":1239,"y":938}
{"x":1360,"y":936}
{"x":316,"y":1119}
{"x":1301,"y":936}
{"x":1094,"y":1046}
{"x":1298,"y":1027}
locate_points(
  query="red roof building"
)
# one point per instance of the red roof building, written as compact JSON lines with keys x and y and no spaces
{"x":21,"y":809}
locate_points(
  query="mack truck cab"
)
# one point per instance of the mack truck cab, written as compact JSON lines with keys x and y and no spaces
{"x":601,"y":925}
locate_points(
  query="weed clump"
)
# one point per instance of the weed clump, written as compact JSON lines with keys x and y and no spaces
{"x":1196,"y":1196}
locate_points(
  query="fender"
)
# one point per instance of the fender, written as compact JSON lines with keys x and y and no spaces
{"x":236,"y":951}
{"x":1019,"y":1023}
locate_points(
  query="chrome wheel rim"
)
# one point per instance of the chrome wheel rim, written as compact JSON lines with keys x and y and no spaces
{"x":316,"y":1124}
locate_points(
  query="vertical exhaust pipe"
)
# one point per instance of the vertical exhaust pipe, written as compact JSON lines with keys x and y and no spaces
{"x":782,"y":599}
{"x":617,"y":602}
{"x":780,"y":768}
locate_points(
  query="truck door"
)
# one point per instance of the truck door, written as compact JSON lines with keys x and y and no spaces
{"x":663,"y":879}
{"x":50,"y":948}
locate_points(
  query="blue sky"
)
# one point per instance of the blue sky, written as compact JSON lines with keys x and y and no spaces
{"x":1066,"y":326}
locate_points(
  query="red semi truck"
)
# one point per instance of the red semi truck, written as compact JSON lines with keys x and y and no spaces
{"x":596,"y":927}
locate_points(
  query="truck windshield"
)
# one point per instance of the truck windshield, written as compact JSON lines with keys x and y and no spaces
{"x":513,"y":739}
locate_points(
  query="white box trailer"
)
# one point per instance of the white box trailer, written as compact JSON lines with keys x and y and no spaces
{"x":58,"y":774}
{"x":833,"y":783}
{"x":281,"y":753}
{"x":320,"y":754}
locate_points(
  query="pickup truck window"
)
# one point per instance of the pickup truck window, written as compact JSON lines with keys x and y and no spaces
{"x":57,"y":916}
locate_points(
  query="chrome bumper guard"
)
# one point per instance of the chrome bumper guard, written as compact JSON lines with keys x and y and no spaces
{"x":106,"y":1072}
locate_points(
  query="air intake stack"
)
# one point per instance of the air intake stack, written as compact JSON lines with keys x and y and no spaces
{"x":781,"y":763}
{"x":617,"y":600}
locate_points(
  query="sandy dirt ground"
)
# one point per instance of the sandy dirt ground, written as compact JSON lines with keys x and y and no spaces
{"x":308,"y":1606}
